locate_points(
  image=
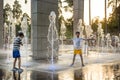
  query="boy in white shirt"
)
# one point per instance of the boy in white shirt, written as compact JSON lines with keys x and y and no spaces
{"x":77,"y":43}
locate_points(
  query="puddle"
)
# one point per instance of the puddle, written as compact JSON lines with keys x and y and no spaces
{"x":91,"y":72}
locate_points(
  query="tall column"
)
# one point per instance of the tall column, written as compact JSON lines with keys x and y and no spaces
{"x":39,"y":13}
{"x":1,"y":23}
{"x":89,"y":12}
{"x":78,"y":12}
{"x":106,"y":31}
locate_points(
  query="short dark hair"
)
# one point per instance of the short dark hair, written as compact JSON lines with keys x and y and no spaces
{"x":77,"y":32}
{"x":20,"y":34}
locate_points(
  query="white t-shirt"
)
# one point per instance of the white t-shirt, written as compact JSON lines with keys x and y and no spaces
{"x":77,"y":43}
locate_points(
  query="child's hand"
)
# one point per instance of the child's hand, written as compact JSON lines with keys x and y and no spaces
{"x":21,"y":44}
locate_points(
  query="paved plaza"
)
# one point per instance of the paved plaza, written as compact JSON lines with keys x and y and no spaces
{"x":102,"y":65}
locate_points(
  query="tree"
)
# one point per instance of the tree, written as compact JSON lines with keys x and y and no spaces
{"x":68,"y":22}
{"x":70,"y":2}
{"x":113,"y":3}
{"x":6,"y":9}
{"x":17,"y":14}
{"x":28,"y":23}
{"x":114,"y":19}
{"x":17,"y":11}
{"x":25,"y":1}
{"x":69,"y":28}
{"x":94,"y":24}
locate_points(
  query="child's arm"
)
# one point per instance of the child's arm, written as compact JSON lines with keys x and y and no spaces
{"x":21,"y":42}
{"x":87,"y":39}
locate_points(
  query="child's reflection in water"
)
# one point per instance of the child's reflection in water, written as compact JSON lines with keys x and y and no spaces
{"x":16,"y":76}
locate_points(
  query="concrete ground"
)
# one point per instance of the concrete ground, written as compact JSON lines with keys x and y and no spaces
{"x":98,"y":66}
{"x":101,"y":71}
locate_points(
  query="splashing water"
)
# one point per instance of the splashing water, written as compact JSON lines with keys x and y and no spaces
{"x":62,"y":31}
{"x":80,"y":28}
{"x":100,"y":37}
{"x":24,"y":27}
{"x":52,"y":38}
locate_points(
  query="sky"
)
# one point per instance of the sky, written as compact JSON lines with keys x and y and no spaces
{"x":97,"y":9}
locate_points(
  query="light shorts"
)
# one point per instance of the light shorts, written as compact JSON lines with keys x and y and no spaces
{"x":79,"y":51}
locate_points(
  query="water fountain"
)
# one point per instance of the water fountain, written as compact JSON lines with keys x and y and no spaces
{"x":62,"y":31}
{"x":24,"y":27}
{"x":5,"y":46}
{"x":100,"y":38}
{"x":89,"y":32}
{"x":52,"y":39}
{"x":108,"y":41}
{"x":13,"y":29}
{"x":116,"y":43}
{"x":80,"y":28}
{"x":10,"y":18}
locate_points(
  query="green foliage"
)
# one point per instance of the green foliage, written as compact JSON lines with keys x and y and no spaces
{"x":6,"y":10}
{"x":113,"y":3}
{"x":70,"y":2}
{"x":60,"y":19}
{"x":69,"y":28}
{"x":113,"y":22}
{"x":94,"y":24}
{"x":18,"y":28}
{"x":25,"y":1}
{"x":28,"y":23}
{"x":68,"y":22}
{"x":17,"y":11}
{"x":29,"y":31}
{"x":17,"y":14}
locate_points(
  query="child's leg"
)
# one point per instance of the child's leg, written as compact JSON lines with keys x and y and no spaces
{"x":14,"y":63}
{"x":19,"y":65}
{"x":81,"y":59}
{"x":73,"y":59}
{"x":19,"y":62}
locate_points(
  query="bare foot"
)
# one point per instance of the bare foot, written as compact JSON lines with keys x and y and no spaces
{"x":71,"y":64}
{"x":83,"y":65}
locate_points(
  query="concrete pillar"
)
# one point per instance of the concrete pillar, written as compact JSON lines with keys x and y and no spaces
{"x":39,"y":12}
{"x":78,"y":12}
{"x":1,"y":23}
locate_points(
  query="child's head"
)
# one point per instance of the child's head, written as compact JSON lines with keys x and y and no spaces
{"x":77,"y":34}
{"x":20,"y":34}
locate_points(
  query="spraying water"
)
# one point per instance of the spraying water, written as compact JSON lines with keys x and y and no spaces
{"x":5,"y":46}
{"x":9,"y":39}
{"x":80,"y":28}
{"x":109,"y":41}
{"x":62,"y":31}
{"x":53,"y":38}
{"x":24,"y":27}
{"x":88,"y":31}
{"x":100,"y":37}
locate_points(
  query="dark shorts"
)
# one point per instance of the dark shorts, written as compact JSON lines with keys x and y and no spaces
{"x":16,"y":53}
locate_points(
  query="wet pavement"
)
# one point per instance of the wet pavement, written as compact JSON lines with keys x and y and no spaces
{"x":109,"y":71}
{"x":103,"y":66}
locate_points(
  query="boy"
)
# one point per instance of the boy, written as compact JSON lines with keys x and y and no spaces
{"x":16,"y":54}
{"x":77,"y":43}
